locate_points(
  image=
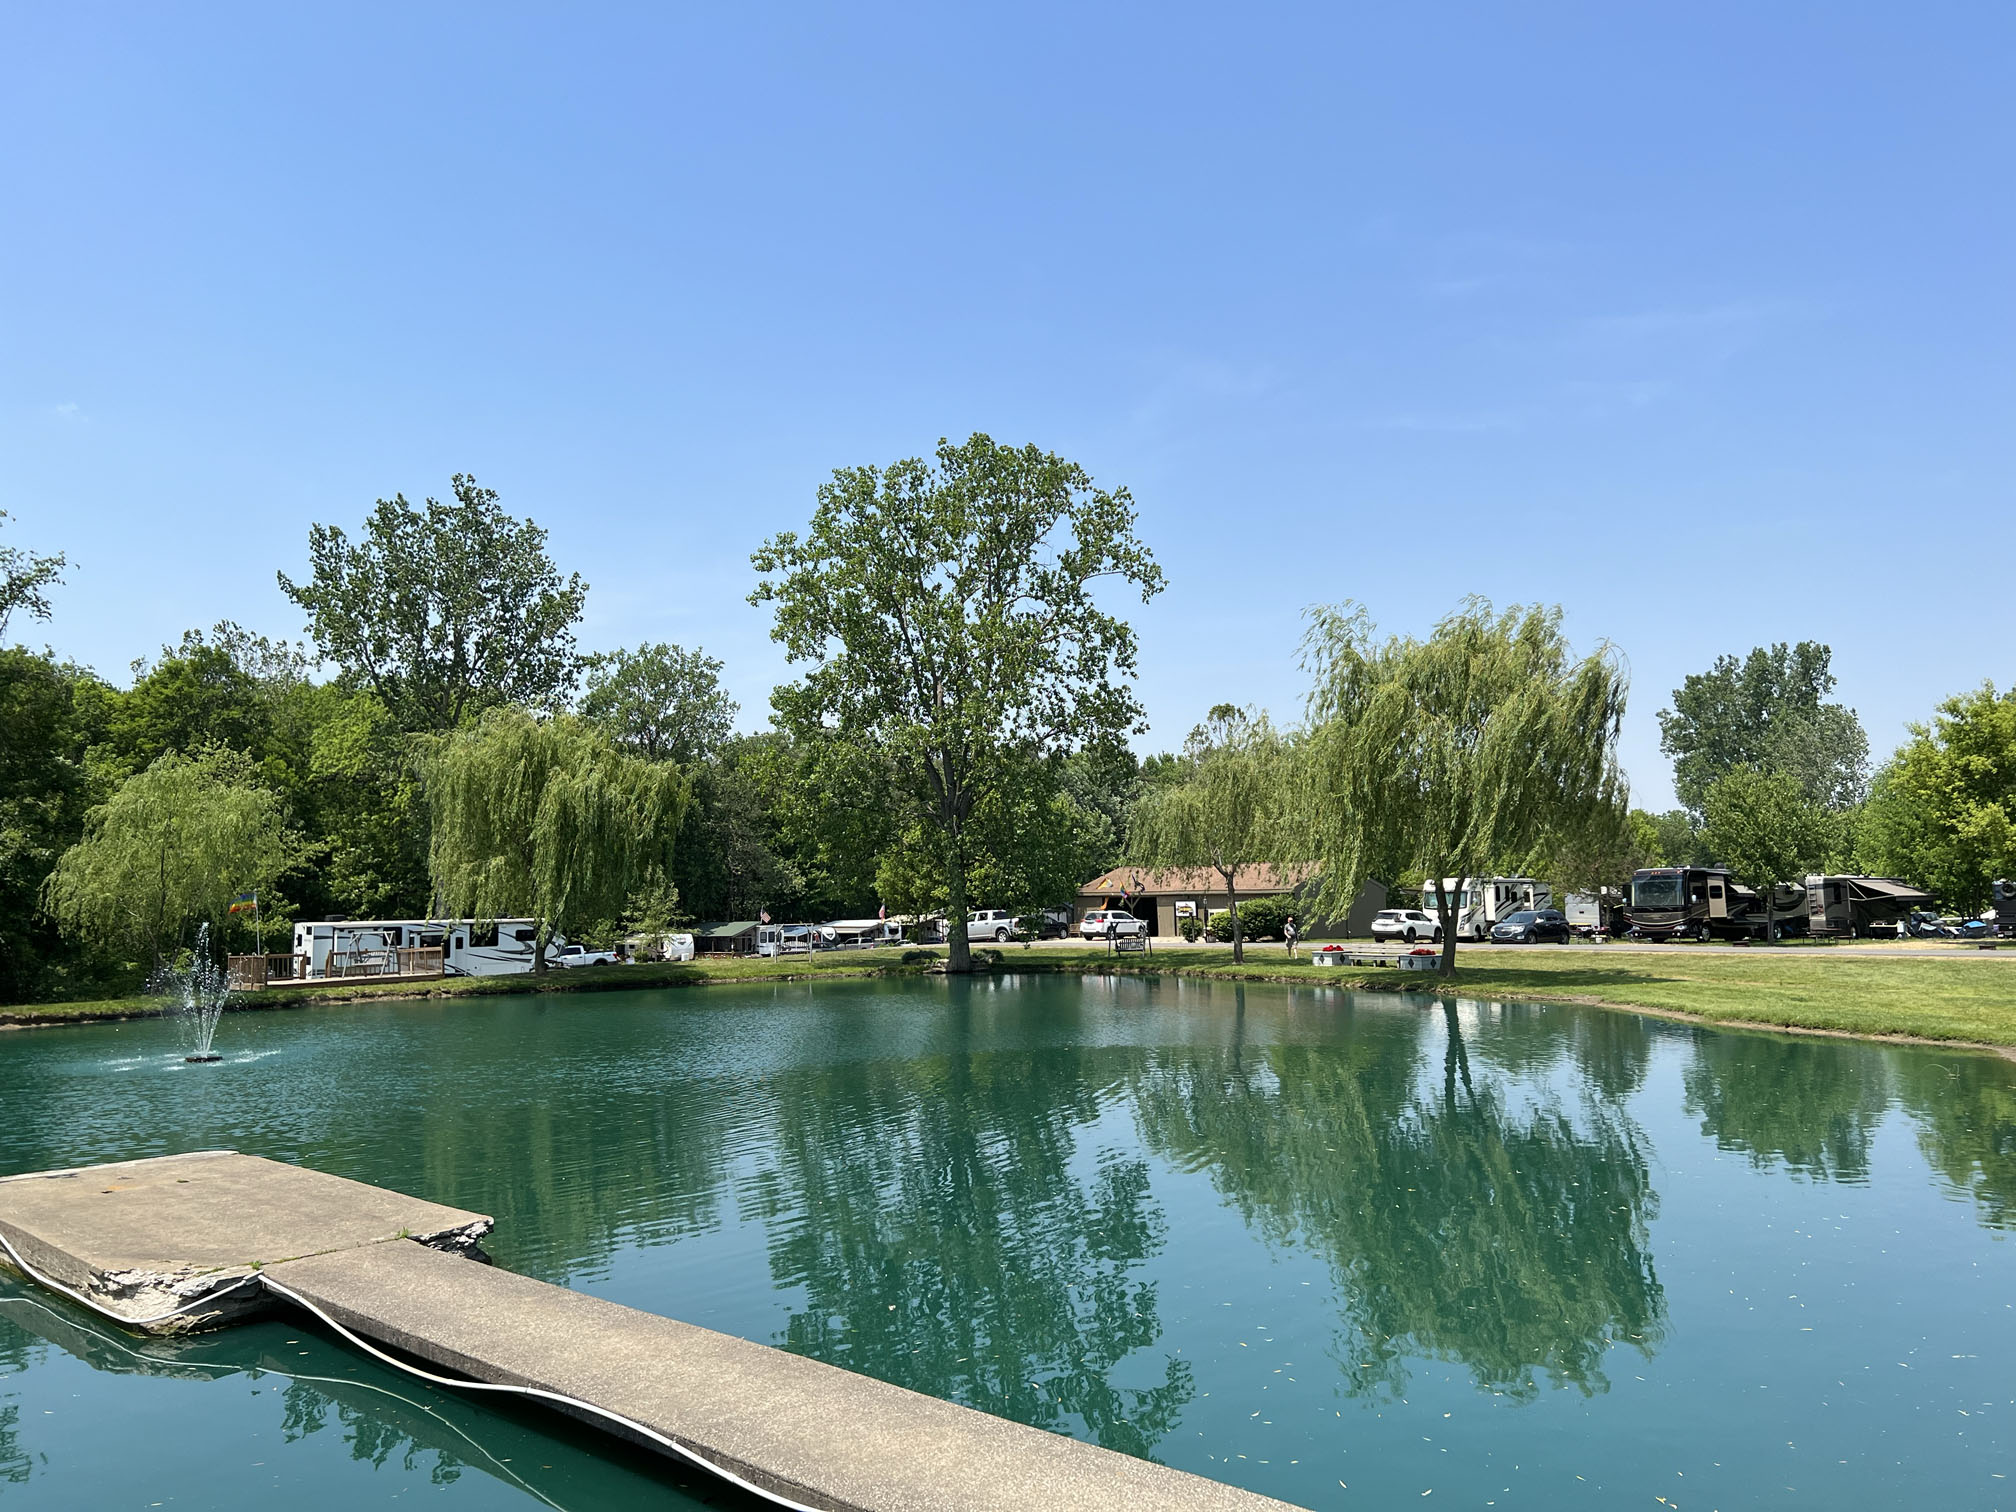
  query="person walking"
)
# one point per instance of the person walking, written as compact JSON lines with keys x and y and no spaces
{"x":1290,"y":931}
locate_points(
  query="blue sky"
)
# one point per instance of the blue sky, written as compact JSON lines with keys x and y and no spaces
{"x":1695,"y":320}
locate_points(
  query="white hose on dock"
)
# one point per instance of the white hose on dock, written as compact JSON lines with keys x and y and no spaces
{"x":534,"y":1392}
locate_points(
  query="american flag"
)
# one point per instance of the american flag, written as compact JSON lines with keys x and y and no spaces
{"x":764,"y":916}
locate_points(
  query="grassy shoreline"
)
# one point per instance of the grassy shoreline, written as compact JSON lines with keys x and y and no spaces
{"x":1960,"y":1002}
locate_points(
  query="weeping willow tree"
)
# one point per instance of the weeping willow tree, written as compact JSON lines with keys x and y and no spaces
{"x":546,"y":818}
{"x":172,"y":847}
{"x":1474,"y":749}
{"x":1223,"y":813}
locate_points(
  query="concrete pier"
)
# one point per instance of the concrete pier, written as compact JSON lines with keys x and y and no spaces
{"x":146,"y":1235}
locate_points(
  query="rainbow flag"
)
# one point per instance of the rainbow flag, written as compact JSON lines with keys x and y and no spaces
{"x":245,"y":900}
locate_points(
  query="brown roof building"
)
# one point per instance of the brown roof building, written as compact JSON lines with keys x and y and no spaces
{"x":1165,"y":898}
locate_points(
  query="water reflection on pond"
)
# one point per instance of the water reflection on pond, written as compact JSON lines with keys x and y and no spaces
{"x":1332,"y":1248}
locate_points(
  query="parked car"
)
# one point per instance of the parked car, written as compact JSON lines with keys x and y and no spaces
{"x":1098,"y":921}
{"x":990,"y":924}
{"x":581,"y":955}
{"x":1530,"y":926}
{"x":1408,"y":924}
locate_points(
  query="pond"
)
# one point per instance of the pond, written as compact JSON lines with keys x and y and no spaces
{"x":1347,"y":1250}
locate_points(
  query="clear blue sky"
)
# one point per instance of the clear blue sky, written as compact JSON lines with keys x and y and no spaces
{"x":1695,"y":319}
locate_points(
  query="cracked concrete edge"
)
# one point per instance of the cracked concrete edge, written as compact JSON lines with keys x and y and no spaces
{"x":136,"y":1293}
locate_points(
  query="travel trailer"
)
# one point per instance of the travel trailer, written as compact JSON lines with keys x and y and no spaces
{"x":1483,"y":901}
{"x":863,"y":934}
{"x":1854,"y":906}
{"x":1705,"y":902}
{"x":370,"y":947}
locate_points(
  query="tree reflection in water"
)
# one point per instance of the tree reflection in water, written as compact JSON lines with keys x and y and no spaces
{"x":950,"y":1237}
{"x":1965,"y":1106}
{"x":1811,"y":1105}
{"x":1465,"y":1219}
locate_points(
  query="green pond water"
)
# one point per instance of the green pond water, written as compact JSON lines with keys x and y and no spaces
{"x":1350,"y":1251}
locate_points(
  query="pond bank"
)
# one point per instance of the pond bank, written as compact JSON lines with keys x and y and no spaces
{"x":1948,"y":1002}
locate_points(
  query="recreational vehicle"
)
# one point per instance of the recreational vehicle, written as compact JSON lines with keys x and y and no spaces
{"x":864,"y":934}
{"x":1856,"y":906}
{"x":1483,"y":901}
{"x":1705,"y":902}
{"x":370,"y":947}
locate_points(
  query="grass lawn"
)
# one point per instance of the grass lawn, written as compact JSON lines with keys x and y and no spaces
{"x":1969,"y":997}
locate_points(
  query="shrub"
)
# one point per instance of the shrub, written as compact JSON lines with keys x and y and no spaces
{"x":1190,"y":929}
{"x":919,"y":957}
{"x":1259,"y":919}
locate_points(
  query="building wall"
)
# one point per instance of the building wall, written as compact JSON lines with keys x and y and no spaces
{"x":1160,"y":910}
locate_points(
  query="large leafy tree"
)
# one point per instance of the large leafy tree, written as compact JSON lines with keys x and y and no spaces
{"x":1030,"y":843}
{"x":443,"y":611}
{"x":1766,"y":829}
{"x":1943,"y":811}
{"x":171,"y":848}
{"x":547,"y":818}
{"x":1768,"y":711}
{"x":947,"y":610}
{"x":25,"y":581}
{"x":661,"y":701}
{"x":45,"y":792}
{"x":1476,"y":748}
{"x":1224,"y":812}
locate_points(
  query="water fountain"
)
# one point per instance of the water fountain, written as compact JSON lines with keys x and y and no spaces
{"x":195,"y":994}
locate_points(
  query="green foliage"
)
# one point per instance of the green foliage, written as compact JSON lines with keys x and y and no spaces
{"x":1943,"y":811}
{"x":44,"y":795}
{"x":172,"y":847}
{"x":660,"y":701}
{"x":1766,"y":712}
{"x":25,"y":581}
{"x":1602,"y":850}
{"x":1485,"y":744}
{"x":1029,"y":844}
{"x":362,"y":800}
{"x":1266,"y":918}
{"x":948,"y":615}
{"x":546,"y":818}
{"x":443,"y":611}
{"x":728,"y":861}
{"x":1192,"y":929}
{"x":1224,"y":811}
{"x":1766,"y":830}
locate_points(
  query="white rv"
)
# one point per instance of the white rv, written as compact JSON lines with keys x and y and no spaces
{"x":370,"y":947}
{"x":863,"y":934}
{"x":1484,"y":901}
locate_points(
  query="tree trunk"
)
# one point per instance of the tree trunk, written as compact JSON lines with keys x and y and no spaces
{"x":538,"y":947}
{"x":1445,"y":911}
{"x":959,"y":953}
{"x":1232,"y":904}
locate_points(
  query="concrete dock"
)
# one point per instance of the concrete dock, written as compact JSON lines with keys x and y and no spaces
{"x":143,"y":1236}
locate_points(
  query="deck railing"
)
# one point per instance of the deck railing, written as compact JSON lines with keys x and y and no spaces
{"x":254,"y":971}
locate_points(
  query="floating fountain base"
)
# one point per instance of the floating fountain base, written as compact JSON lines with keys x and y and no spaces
{"x":204,"y":1059}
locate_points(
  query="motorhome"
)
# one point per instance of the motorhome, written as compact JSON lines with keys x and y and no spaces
{"x":370,"y":947}
{"x":2004,"y":890}
{"x":1483,"y":901}
{"x":1705,"y":903}
{"x":1855,"y":906}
